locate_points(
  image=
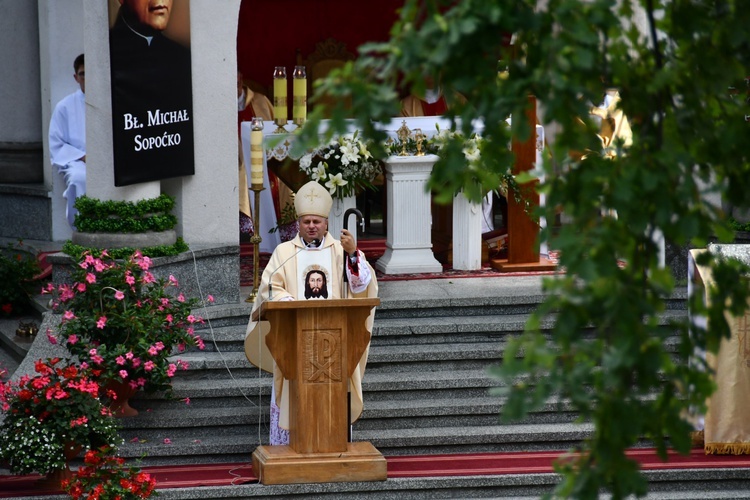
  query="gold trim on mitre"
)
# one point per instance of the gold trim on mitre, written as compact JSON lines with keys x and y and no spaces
{"x":313,"y":199}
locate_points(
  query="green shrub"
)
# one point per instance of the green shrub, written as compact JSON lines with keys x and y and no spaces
{"x":110,"y":216}
{"x":739,"y":226}
{"x":18,"y":267}
{"x":76,"y":251}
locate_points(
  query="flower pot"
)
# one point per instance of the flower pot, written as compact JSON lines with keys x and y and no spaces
{"x":53,"y":480}
{"x":336,"y":220}
{"x":119,"y":405}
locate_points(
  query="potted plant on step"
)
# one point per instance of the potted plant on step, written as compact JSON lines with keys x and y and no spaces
{"x":105,"y":475}
{"x":126,"y":325}
{"x":50,"y":418}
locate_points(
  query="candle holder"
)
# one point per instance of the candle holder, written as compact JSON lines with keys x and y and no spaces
{"x":256,"y":185}
{"x":280,"y":100}
{"x":403,"y":134}
{"x":419,"y":137}
{"x":255,"y":240}
{"x":299,"y":99}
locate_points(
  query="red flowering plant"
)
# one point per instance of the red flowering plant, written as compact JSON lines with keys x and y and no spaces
{"x":58,"y":408}
{"x":106,"y":476}
{"x":124,"y":323}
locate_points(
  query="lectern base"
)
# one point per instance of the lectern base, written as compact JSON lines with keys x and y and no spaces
{"x":281,"y":465}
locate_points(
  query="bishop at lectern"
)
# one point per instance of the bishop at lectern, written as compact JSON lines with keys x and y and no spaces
{"x":296,"y":271}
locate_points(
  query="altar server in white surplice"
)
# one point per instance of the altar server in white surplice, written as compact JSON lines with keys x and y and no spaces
{"x":309,"y":267}
{"x":67,"y":140}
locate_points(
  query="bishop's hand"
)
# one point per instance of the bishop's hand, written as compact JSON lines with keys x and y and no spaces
{"x":347,"y":241}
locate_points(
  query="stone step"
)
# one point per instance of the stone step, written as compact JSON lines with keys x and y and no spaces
{"x":497,"y":438}
{"x":695,"y":484}
{"x":171,"y":446}
{"x":457,"y":412}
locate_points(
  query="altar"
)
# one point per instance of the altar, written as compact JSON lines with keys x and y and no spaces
{"x":404,"y":254}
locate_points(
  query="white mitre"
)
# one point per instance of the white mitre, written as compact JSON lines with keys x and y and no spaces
{"x":313,"y":199}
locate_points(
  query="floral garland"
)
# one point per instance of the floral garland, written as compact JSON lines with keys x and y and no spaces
{"x":344,"y":166}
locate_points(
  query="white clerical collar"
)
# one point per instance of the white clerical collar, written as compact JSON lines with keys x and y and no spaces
{"x":313,"y":245}
{"x":147,"y":38}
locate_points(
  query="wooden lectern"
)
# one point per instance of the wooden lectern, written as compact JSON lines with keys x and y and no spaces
{"x":317,"y":344}
{"x":522,"y":230}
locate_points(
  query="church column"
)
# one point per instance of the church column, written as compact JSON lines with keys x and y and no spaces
{"x":100,"y":175}
{"x":60,"y":41}
{"x":208,"y":202}
{"x":20,"y":127}
{"x":408,"y":243}
{"x":467,"y":234}
{"x":24,"y":202}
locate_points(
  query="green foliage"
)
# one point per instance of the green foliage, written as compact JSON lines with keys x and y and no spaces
{"x":18,"y":267}
{"x":110,"y":216}
{"x":606,"y":352}
{"x":76,"y":251}
{"x":288,"y":216}
{"x":739,"y":226}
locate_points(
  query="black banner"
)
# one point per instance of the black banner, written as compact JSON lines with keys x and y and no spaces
{"x":152,"y":96}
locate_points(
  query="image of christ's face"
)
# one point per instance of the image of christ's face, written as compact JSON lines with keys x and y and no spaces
{"x":152,"y":13}
{"x":316,"y":282}
{"x":316,"y":286}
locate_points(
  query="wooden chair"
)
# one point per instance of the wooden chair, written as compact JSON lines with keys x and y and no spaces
{"x":328,"y":55}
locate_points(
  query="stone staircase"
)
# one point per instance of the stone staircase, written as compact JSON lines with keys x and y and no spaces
{"x":426,"y":388}
{"x":426,"y":391}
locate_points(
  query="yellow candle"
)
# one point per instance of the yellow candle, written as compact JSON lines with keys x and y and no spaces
{"x":280,"y":103}
{"x":299,"y":106}
{"x":256,"y":157}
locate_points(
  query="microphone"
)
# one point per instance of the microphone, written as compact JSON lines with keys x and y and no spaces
{"x":270,"y":277}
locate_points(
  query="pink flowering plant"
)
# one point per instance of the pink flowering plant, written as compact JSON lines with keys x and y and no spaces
{"x":58,"y":407}
{"x":124,"y":323}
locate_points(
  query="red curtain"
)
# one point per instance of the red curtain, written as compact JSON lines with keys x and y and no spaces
{"x":271,"y":31}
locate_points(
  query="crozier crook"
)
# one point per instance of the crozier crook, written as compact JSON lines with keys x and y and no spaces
{"x":361,"y":222}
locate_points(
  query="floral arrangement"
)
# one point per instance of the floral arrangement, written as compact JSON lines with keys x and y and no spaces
{"x":287,"y":225}
{"x":44,"y":414}
{"x":125,"y":324}
{"x":106,"y":476}
{"x":344,"y":166}
{"x":471,"y":149}
{"x":18,"y":268}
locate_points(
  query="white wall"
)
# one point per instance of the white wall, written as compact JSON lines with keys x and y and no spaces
{"x":19,"y":84}
{"x":207,"y":203}
{"x":60,"y":42}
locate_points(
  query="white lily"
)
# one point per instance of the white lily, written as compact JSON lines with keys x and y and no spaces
{"x":319,"y":172}
{"x":334,"y":181}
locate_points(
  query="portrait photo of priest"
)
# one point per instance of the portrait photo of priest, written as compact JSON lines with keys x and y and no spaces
{"x":152,"y":98}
